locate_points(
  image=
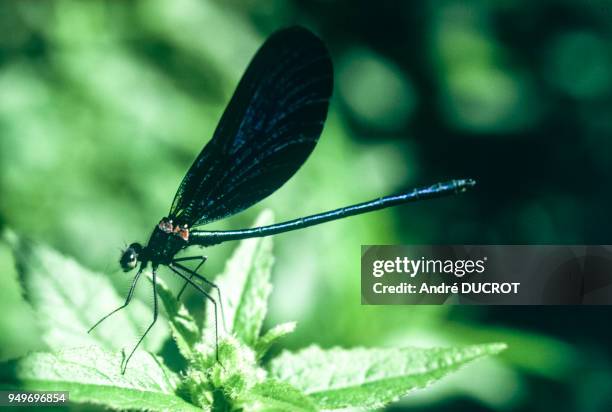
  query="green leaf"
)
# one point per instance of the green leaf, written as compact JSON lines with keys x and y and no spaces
{"x":68,"y":299}
{"x":92,"y":375}
{"x":275,"y":396}
{"x":339,"y":378}
{"x":271,"y":336}
{"x":19,"y":331}
{"x":183,"y":327}
{"x":234,"y":377}
{"x":245,"y":287}
{"x":539,"y":354}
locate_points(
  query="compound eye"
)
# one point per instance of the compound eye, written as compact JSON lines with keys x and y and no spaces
{"x":129,"y":260}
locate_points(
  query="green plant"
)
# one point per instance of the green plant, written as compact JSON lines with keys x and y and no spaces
{"x":308,"y":380}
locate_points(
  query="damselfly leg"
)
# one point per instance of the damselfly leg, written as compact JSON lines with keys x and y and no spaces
{"x":127,"y":300}
{"x":202,"y":259}
{"x":155,"y":312}
{"x":175,"y":268}
{"x":194,"y":273}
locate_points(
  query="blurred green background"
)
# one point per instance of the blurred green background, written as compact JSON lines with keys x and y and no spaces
{"x":105,"y":104}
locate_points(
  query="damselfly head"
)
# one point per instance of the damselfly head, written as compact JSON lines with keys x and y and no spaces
{"x":129,"y":257}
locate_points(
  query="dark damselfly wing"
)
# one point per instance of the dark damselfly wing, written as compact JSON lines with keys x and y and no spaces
{"x":267,"y":131}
